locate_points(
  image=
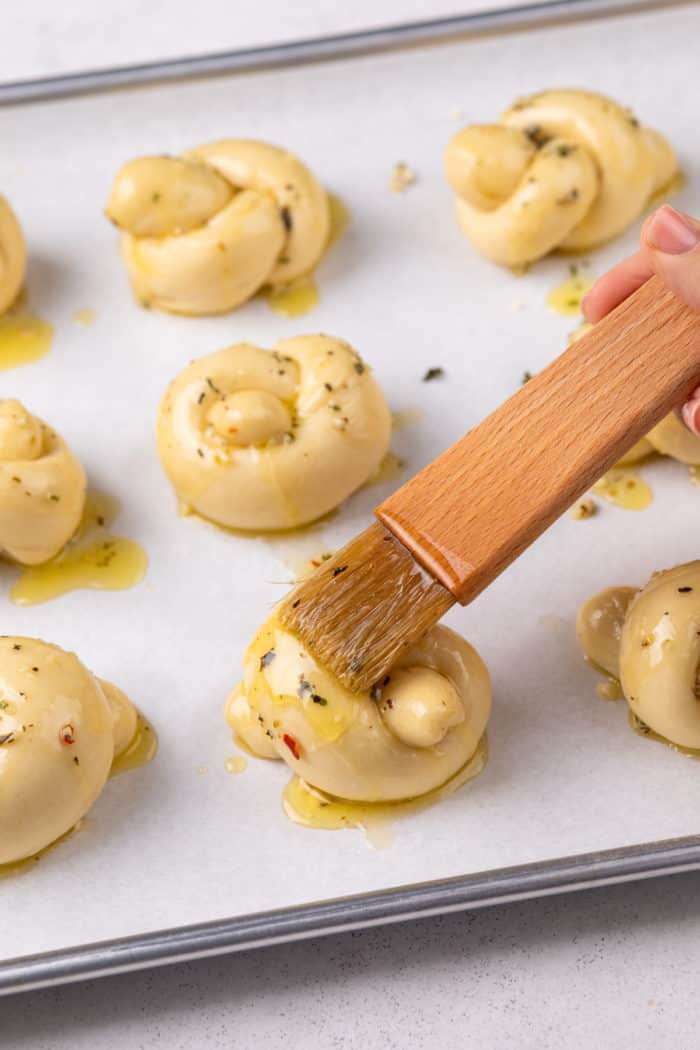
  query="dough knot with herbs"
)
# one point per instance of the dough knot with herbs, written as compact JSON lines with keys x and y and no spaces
{"x":13,"y":256}
{"x":60,"y":730}
{"x":272,"y":439}
{"x":406,"y":737}
{"x":205,"y":231}
{"x":650,"y":640}
{"x":42,"y":487}
{"x":560,"y":170}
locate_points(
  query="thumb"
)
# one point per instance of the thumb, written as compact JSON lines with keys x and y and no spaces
{"x":671,"y":243}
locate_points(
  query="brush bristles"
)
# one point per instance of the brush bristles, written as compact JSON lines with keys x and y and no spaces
{"x":363,"y":606}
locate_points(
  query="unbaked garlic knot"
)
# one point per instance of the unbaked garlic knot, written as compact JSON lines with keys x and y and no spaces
{"x":407,"y":736}
{"x":670,"y":437}
{"x":13,"y":256}
{"x":205,"y":231}
{"x":272,"y":439}
{"x":60,"y":730}
{"x":42,"y":487}
{"x":562,"y":169}
{"x":650,"y":640}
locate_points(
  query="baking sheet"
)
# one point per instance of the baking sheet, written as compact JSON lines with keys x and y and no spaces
{"x":170,"y":845}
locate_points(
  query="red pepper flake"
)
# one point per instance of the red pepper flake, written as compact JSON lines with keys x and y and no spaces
{"x":293,"y":745}
{"x":66,"y":734}
{"x":315,"y":562}
{"x":233,"y":430}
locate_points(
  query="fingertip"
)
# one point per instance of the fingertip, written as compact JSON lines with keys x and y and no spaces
{"x":594,"y":304}
{"x":691,"y":415}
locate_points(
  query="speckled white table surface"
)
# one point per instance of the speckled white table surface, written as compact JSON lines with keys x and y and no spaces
{"x":615,"y":967}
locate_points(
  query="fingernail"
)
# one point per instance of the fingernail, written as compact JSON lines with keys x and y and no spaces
{"x":670,"y":232}
{"x":691,"y":415}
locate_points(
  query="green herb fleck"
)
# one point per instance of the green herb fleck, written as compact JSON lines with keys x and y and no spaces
{"x":267,"y":658}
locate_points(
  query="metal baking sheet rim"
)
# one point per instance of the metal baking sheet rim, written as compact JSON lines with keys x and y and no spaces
{"x":181,"y":944}
{"x":462,"y":893}
{"x":513,"y":18}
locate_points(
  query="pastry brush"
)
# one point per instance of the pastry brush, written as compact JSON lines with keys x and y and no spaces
{"x":449,"y":531}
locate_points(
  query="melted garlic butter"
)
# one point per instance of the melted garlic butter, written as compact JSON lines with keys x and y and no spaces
{"x":93,"y":559}
{"x":566,"y":298}
{"x":24,"y":338}
{"x":624,"y":488}
{"x":42,"y":487}
{"x":650,"y":641}
{"x":410,"y":737}
{"x":293,"y":300}
{"x":204,"y":232}
{"x":306,"y":805}
{"x":267,"y":440}
{"x":62,"y":731}
{"x":562,"y":170}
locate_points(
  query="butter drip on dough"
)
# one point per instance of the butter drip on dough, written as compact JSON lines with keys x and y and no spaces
{"x":562,"y":169}
{"x":650,"y":640}
{"x":13,"y":256}
{"x":258,"y":439}
{"x":204,"y":232}
{"x":406,"y":738}
{"x":42,"y":487}
{"x":60,"y":730}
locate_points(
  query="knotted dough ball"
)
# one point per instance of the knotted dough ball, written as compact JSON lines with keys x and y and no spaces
{"x":60,"y":730}
{"x":406,"y":737}
{"x":650,"y":640}
{"x":272,"y":439}
{"x":562,"y":169}
{"x":42,"y":487}
{"x":13,"y":256}
{"x":670,"y":437}
{"x":205,"y":231}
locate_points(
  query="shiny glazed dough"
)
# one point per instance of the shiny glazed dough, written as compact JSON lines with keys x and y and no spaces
{"x":42,"y":487}
{"x":407,"y":737}
{"x":272,"y":439}
{"x":562,"y":169}
{"x":658,"y":652}
{"x":53,"y":711}
{"x":205,"y":231}
{"x":13,"y":256}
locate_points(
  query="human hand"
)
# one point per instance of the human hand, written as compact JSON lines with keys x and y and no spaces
{"x":669,"y":247}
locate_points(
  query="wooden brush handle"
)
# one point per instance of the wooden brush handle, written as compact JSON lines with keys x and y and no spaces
{"x":471,"y":512}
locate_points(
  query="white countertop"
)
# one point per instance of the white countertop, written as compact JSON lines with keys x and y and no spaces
{"x":611,"y":968}
{"x":615,"y":966}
